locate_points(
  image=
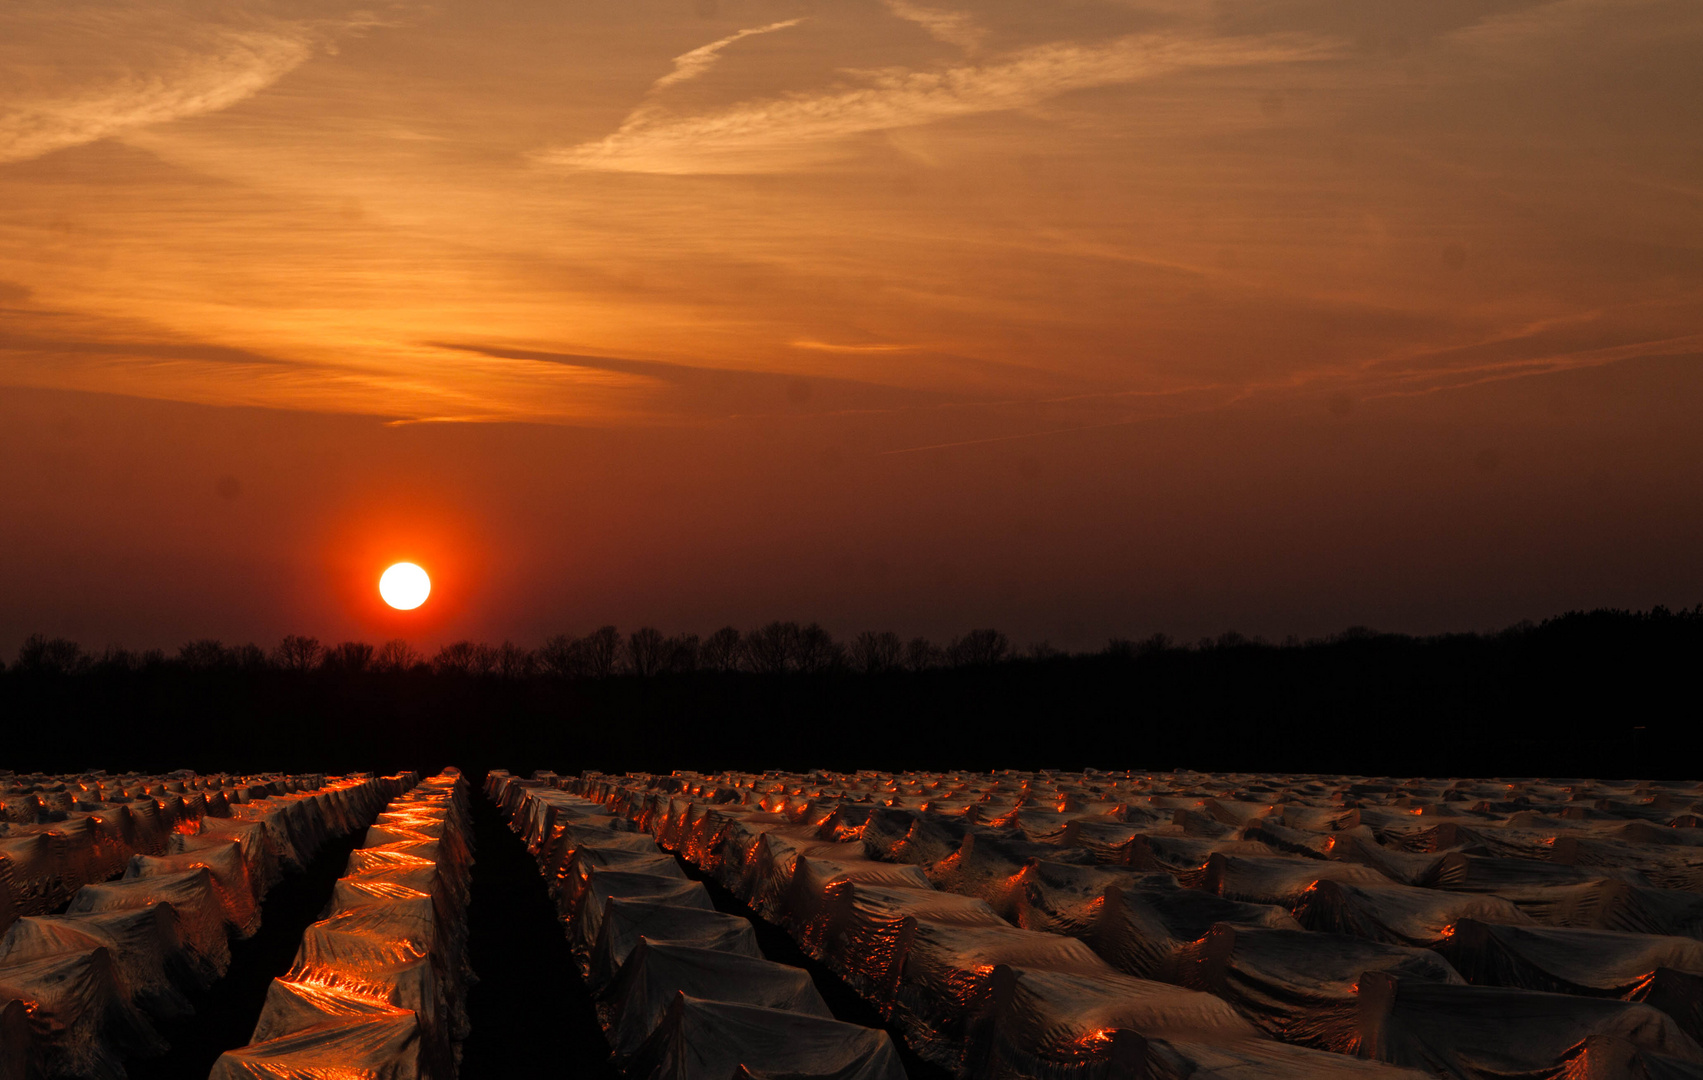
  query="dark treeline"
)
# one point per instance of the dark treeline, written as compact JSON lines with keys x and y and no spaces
{"x":776,"y":648}
{"x":1602,"y":693}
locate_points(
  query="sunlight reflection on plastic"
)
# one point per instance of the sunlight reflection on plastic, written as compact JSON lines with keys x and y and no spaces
{"x":404,"y":586}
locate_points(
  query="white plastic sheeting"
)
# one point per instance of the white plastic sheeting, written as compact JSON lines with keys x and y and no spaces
{"x":1282,"y":896}
{"x":1467,"y":1032}
{"x":59,"y":833}
{"x":80,"y":1022}
{"x":699,"y":1039}
{"x":153,"y":965}
{"x":628,"y":922}
{"x":1397,"y":914}
{"x":682,"y":991}
{"x":1298,"y":986}
{"x":125,"y":952}
{"x":655,"y":973}
{"x":377,"y":989}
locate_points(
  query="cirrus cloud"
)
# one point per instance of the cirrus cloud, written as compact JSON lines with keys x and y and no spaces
{"x":78,"y":74}
{"x":779,"y":133}
{"x":690,"y":65}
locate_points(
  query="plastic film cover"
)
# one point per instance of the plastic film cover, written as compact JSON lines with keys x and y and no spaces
{"x":223,"y":859}
{"x":709,"y":1040}
{"x":602,"y":885}
{"x":1295,"y":985}
{"x":1398,"y":914}
{"x":81,"y":1022}
{"x":1141,"y":925}
{"x":627,"y":922}
{"x":152,"y":965}
{"x":367,"y":1049}
{"x":633,"y":1005}
{"x":201,"y":916}
{"x":1598,"y":963}
{"x":1473,"y":1032}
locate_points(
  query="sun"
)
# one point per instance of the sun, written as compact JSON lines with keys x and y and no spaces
{"x":405,"y":586}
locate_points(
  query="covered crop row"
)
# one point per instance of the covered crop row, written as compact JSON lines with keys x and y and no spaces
{"x":1051,"y":924}
{"x":82,"y":989}
{"x":58,"y":834}
{"x":378,"y":985}
{"x":682,"y":990}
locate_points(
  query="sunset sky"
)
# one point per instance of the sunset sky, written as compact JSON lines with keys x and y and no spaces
{"x":1070,"y":317}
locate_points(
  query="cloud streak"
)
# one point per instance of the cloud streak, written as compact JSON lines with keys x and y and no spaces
{"x":690,"y":65}
{"x":154,"y":64}
{"x":953,"y":27}
{"x":775,"y":134}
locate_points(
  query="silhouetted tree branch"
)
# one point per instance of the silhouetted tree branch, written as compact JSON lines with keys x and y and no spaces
{"x":297,"y":653}
{"x":645,"y":651}
{"x":873,"y":653}
{"x":721,"y":651}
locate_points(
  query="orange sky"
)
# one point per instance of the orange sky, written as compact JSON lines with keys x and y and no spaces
{"x":1075,"y":318}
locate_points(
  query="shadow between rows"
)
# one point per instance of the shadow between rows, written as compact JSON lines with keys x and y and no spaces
{"x":840,"y":998}
{"x":529,"y":1011}
{"x":226,"y":1012}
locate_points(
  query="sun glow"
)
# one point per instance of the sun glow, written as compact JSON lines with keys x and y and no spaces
{"x":404,"y":586}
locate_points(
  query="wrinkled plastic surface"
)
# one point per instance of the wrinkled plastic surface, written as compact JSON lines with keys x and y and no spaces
{"x":126,"y":952}
{"x":377,"y":988}
{"x":151,"y":962}
{"x":682,"y":989}
{"x":703,"y":1040}
{"x":1467,"y":1032}
{"x":627,"y":923}
{"x":1282,"y":896}
{"x":1566,"y":960}
{"x":634,"y":1003}
{"x":81,"y":1022}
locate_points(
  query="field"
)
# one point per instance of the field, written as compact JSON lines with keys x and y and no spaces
{"x":866,"y":925}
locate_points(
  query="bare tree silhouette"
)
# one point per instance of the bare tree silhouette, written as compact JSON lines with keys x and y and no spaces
{"x":397,"y":655}
{"x":558,"y":656}
{"x":514,"y":662}
{"x":815,"y":650}
{"x":353,"y":657}
{"x":978,"y":648}
{"x":721,"y":650}
{"x":644,"y":651}
{"x":921,"y":654}
{"x":51,"y":656}
{"x":873,"y":652}
{"x":203,"y":655}
{"x":298,"y":653}
{"x":602,"y":652}
{"x":680,"y":654}
{"x":772,"y":648}
{"x":118,"y":658}
{"x":457,"y":658}
{"x":484,"y":660}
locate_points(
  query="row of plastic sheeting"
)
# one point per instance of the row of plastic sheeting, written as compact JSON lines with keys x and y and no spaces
{"x":59,"y":833}
{"x":1338,"y":914}
{"x":682,"y":990}
{"x":377,"y":989}
{"x":80,"y":990}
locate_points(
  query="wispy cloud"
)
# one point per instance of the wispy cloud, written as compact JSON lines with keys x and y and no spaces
{"x":690,"y":65}
{"x":953,"y":27}
{"x":685,"y":391}
{"x":77,"y":75}
{"x":825,"y":346}
{"x":771,"y":135}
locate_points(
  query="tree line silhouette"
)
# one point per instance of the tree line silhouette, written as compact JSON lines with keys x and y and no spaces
{"x":1598,"y":693}
{"x":774,"y":648}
